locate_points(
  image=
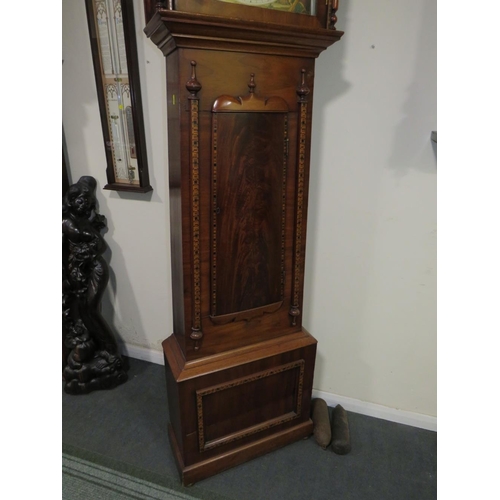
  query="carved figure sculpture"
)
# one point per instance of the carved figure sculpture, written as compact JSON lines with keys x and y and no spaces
{"x":93,"y":361}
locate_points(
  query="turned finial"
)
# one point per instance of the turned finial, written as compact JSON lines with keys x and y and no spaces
{"x":294,"y":313}
{"x":303,"y":89}
{"x":193,"y":85}
{"x":196,"y":335}
{"x":251,"y":84}
{"x":333,"y":17}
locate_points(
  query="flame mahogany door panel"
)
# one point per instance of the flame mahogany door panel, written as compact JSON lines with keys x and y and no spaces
{"x":249,"y":166}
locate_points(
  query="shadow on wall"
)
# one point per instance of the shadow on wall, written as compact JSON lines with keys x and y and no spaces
{"x":348,"y":181}
{"x":131,"y":325}
{"x":331,"y":86}
{"x":412,"y":138}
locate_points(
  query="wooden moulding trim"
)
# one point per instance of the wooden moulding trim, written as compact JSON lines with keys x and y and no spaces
{"x":224,"y":461}
{"x":194,"y":86}
{"x":298,"y":258}
{"x":183,"y":370}
{"x":247,"y":315}
{"x":232,"y":45}
{"x":133,"y":188}
{"x":197,"y":22}
{"x":173,"y":356}
{"x":160,"y":35}
{"x":213,"y":271}
{"x":189,"y":30}
{"x":254,"y":429}
{"x":179,"y":462}
{"x":250,"y":103}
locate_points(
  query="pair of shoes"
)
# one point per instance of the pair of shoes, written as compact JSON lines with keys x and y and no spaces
{"x":335,"y":432}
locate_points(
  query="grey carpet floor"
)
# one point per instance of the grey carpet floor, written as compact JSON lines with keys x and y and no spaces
{"x":128,"y":425}
{"x":88,"y":479}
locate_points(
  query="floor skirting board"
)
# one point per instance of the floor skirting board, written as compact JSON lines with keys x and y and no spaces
{"x":378,"y":411}
{"x":142,"y":353}
{"x":364,"y":408}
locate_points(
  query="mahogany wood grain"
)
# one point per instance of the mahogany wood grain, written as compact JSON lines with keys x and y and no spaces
{"x":239,"y":366}
{"x":201,"y":470}
{"x":184,"y":370}
{"x":269,"y":83}
{"x":172,"y":30}
{"x":177,"y":204}
{"x":249,"y":211}
{"x":246,"y":379}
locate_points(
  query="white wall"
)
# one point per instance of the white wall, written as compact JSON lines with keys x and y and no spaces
{"x":371,"y":261}
{"x":138,"y":298}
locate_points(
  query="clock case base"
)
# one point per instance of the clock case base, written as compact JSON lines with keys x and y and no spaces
{"x":229,"y":408}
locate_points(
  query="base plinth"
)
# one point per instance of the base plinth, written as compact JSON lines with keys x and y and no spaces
{"x":230,"y":408}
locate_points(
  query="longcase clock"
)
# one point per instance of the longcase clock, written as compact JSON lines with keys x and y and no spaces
{"x":239,"y":365}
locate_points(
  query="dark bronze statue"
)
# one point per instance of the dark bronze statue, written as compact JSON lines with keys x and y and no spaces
{"x":93,"y":360}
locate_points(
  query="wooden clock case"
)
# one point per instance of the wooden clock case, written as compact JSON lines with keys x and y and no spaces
{"x":239,"y":365}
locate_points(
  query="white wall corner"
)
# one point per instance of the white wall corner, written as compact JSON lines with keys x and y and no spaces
{"x":142,"y":353}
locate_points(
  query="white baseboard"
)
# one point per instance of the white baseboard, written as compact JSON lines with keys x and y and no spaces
{"x":379,"y":411}
{"x":142,"y":353}
{"x":349,"y":404}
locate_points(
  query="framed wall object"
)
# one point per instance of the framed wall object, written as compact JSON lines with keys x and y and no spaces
{"x":240,"y":85}
{"x":114,"y":54}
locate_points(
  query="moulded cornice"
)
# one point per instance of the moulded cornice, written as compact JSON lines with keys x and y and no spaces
{"x":170,"y":30}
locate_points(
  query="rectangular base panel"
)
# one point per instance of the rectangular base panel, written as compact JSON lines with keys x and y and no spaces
{"x":230,"y":408}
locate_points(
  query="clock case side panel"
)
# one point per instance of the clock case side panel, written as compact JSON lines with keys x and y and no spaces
{"x":179,"y":242}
